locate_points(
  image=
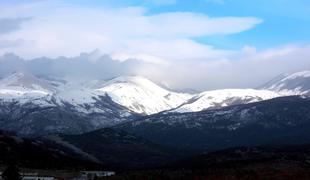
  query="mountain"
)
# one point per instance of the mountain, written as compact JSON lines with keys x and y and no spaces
{"x":262,"y":162}
{"x":25,"y":87}
{"x":40,"y":105}
{"x":285,"y":156}
{"x":31,"y":105}
{"x":240,"y":163}
{"x":105,"y":148}
{"x":113,"y":148}
{"x":283,"y":120}
{"x":297,"y":83}
{"x":134,"y":93}
{"x":30,"y":153}
{"x":223,"y":98}
{"x":142,"y":95}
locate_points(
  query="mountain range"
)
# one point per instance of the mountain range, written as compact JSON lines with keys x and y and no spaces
{"x":131,"y":122}
{"x":279,"y":121}
{"x":32,"y":105}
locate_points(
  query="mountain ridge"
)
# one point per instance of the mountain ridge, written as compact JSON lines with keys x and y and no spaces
{"x":53,"y":105}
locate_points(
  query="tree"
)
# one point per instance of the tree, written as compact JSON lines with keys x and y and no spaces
{"x":11,"y":173}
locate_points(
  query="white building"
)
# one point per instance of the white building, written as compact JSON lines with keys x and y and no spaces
{"x":90,"y":175}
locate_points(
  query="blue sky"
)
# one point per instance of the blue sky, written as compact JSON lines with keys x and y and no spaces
{"x":285,"y":21}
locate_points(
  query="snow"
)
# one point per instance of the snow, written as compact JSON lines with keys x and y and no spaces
{"x":225,"y":97}
{"x":136,"y":93}
{"x":25,"y":88}
{"x":142,"y":95}
{"x":303,"y":74}
{"x":25,"y":82}
{"x":291,"y":84}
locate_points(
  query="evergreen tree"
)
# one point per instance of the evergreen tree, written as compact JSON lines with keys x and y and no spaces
{"x":11,"y":173}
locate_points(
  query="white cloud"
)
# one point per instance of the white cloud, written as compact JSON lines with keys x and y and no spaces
{"x":247,"y":69}
{"x":166,"y":40}
{"x":58,"y":29}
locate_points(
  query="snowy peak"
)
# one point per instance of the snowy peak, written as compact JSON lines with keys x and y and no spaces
{"x":136,"y":81}
{"x":24,"y":85}
{"x":142,"y":95}
{"x":225,"y":97}
{"x":290,"y":84}
{"x":26,"y":81}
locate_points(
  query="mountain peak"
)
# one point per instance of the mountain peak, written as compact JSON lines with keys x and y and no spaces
{"x":224,"y":97}
{"x":297,"y":83}
{"x":301,"y":74}
{"x":137,"y":81}
{"x":142,"y":95}
{"x":18,"y":78}
{"x":23,"y":81}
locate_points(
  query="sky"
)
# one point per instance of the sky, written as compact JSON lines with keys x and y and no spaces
{"x":199,"y":44}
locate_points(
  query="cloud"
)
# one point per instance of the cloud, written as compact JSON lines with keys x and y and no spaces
{"x":64,"y":29}
{"x":10,"y":43}
{"x":247,"y":68}
{"x":8,"y":25}
{"x":130,"y":41}
{"x":185,"y":24}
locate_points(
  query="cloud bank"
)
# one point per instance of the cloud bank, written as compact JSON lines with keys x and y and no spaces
{"x":247,"y":69}
{"x":60,"y":29}
{"x":133,"y":41}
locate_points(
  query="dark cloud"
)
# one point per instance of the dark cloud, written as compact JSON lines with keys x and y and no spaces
{"x":82,"y":66}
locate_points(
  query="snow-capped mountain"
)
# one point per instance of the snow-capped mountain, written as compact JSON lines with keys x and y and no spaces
{"x":297,"y":83}
{"x":32,"y":105}
{"x":275,"y":121}
{"x":225,"y":97}
{"x":24,"y":85}
{"x":135,"y":93}
{"x":42,"y":105}
{"x":23,"y":88}
{"x":142,"y":95}
{"x":285,"y":85}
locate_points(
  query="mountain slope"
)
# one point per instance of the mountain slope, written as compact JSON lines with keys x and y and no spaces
{"x":142,"y":95}
{"x":282,"y":120}
{"x":24,"y":87}
{"x":114,"y":148}
{"x":290,"y":84}
{"x":35,"y":106}
{"x":223,"y":98}
{"x":286,"y":156}
{"x":284,"y":85}
{"x":29,"y":153}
